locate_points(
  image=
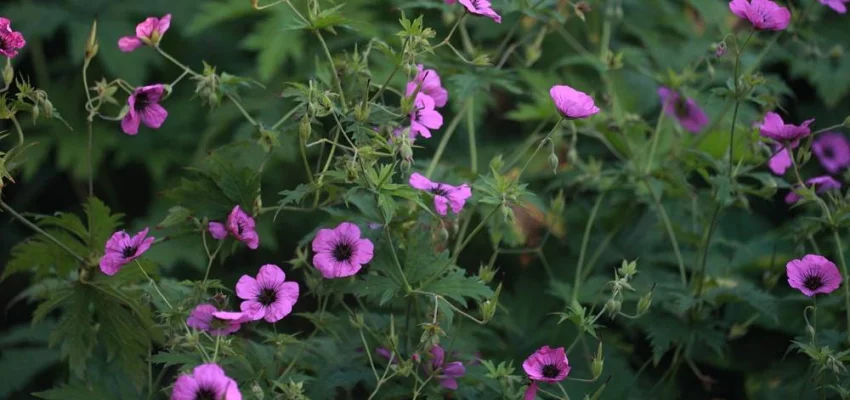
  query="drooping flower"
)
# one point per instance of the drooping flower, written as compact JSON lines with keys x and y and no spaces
{"x":424,"y":116}
{"x":571,"y":103}
{"x":780,"y":161}
{"x":686,"y":110}
{"x":833,"y":151}
{"x":545,"y":365}
{"x":341,"y":252}
{"x":148,"y":32}
{"x":837,"y":5}
{"x":218,"y":323}
{"x":268,"y":296}
{"x":775,"y":128}
{"x":121,"y":249}
{"x":240,"y":225}
{"x":820,"y":184}
{"x":144,"y":108}
{"x":207,"y":381}
{"x":813,"y":274}
{"x":444,"y":194}
{"x":482,"y":8}
{"x":428,"y":82}
{"x":763,"y":14}
{"x":10,"y":41}
{"x":447,"y":373}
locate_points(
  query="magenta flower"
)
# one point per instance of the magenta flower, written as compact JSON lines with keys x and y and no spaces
{"x":207,"y":318}
{"x":687,"y":111}
{"x":10,"y":41}
{"x":776,"y":129}
{"x":428,"y":82}
{"x":813,"y":274}
{"x":240,"y":225}
{"x":482,"y":8}
{"x":545,"y":365}
{"x":763,"y":14}
{"x":820,"y":184}
{"x":424,"y":117}
{"x":444,"y":194}
{"x":121,"y":249}
{"x":447,"y":372}
{"x":387,"y":354}
{"x":781,"y":160}
{"x":207,"y":381}
{"x":144,"y":108}
{"x":837,"y":5}
{"x":571,"y":103}
{"x":833,"y":151}
{"x":268,"y":296}
{"x":340,"y":252}
{"x":148,"y":32}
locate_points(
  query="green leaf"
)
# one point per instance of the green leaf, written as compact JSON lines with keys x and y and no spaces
{"x":73,"y":391}
{"x":379,"y":289}
{"x":663,"y":330}
{"x":102,"y":222}
{"x":421,"y":261}
{"x":275,"y":44}
{"x":457,"y":286}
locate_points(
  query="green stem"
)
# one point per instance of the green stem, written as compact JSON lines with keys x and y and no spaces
{"x":333,"y":70}
{"x":584,"y":241}
{"x":38,"y":230}
{"x":655,"y":135}
{"x":155,"y":286}
{"x":474,"y":232}
{"x":668,"y":226}
{"x":89,"y":158}
{"x":706,"y":243}
{"x":242,"y":109}
{"x":407,"y":286}
{"x":840,"y":249}
{"x":470,"y":130}
{"x":445,"y":140}
{"x":284,"y":118}
{"x":18,"y":130}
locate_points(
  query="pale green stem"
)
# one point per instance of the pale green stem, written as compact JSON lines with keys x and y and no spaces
{"x":447,"y":135}
{"x":584,"y":241}
{"x":333,"y":70}
{"x":38,"y":230}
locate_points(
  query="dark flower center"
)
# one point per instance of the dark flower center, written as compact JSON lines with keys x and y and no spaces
{"x":550,"y":371}
{"x":142,"y":101}
{"x":239,"y":227}
{"x":343,"y":251}
{"x":267,"y":296}
{"x":828,"y":152}
{"x":681,"y":107}
{"x":2,"y":42}
{"x":128,"y":251}
{"x":206,"y":394}
{"x":439,"y":190}
{"x":813,"y":282}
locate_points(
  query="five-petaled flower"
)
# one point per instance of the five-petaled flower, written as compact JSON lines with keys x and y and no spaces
{"x":268,"y":296}
{"x":812,"y":275}
{"x":445,"y":195}
{"x":833,"y":151}
{"x":424,"y":116}
{"x":143,"y":107}
{"x":686,"y":110}
{"x":545,"y":365}
{"x":218,"y":323}
{"x":207,"y":381}
{"x":121,"y":249}
{"x":482,"y":8}
{"x":240,"y":225}
{"x":837,"y":5}
{"x":775,"y":128}
{"x":571,"y":103}
{"x":148,"y":32}
{"x":447,"y":373}
{"x":10,"y":41}
{"x":341,"y":252}
{"x":428,"y":82}
{"x":763,"y":14}
{"x":820,"y":184}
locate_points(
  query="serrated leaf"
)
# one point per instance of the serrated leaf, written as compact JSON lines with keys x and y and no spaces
{"x":459,"y":287}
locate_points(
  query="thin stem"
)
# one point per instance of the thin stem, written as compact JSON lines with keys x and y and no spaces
{"x":584,"y":241}
{"x":242,"y":109}
{"x":211,"y":256}
{"x":333,"y":70}
{"x":452,"y":31}
{"x":38,"y":230}
{"x":706,"y":243}
{"x":284,"y":118}
{"x":369,"y":355}
{"x":215,"y":352}
{"x":445,"y":140}
{"x":840,"y":249}
{"x":18,"y":130}
{"x":155,"y":287}
{"x":89,"y":158}
{"x":655,"y":135}
{"x":474,"y":232}
{"x":470,"y":130}
{"x":738,"y":53}
{"x":539,"y":146}
{"x":668,"y":226}
{"x":397,"y":262}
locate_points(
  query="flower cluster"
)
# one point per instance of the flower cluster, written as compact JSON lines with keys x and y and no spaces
{"x":428,"y":95}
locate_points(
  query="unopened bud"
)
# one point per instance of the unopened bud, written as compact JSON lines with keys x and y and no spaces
{"x":553,"y":162}
{"x":362,"y":111}
{"x":442,"y":235}
{"x":8,"y":73}
{"x":406,"y":150}
{"x":598,"y":363}
{"x":91,"y":44}
{"x":613,"y":306}
{"x":720,"y":49}
{"x":304,"y":128}
{"x":488,"y":310}
{"x":357,"y":321}
{"x":486,"y":273}
{"x":738,"y":330}
{"x":644,"y":303}
{"x":257,"y":391}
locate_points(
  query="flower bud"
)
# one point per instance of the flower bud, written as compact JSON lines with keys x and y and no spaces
{"x":304,"y":128}
{"x":598,"y":363}
{"x":92,"y":45}
{"x":720,"y":49}
{"x":357,"y":321}
{"x":488,"y":310}
{"x":644,"y":303}
{"x":738,"y":330}
{"x":406,"y":150}
{"x":442,"y":235}
{"x":257,"y":391}
{"x":553,"y":162}
{"x":486,"y":274}
{"x":613,"y":306}
{"x":8,"y":73}
{"x":362,"y":111}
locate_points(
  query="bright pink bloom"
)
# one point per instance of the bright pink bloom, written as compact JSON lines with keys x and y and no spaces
{"x":424,"y":117}
{"x":341,"y":252}
{"x":144,"y":108}
{"x":444,"y":194}
{"x":545,"y":365}
{"x":218,"y":323}
{"x":447,"y":372}
{"x":268,"y":296}
{"x":10,"y":41}
{"x":837,"y":5}
{"x":240,"y":225}
{"x":148,"y":32}
{"x":813,"y":274}
{"x":833,"y":151}
{"x":686,"y":111}
{"x":781,"y":160}
{"x":820,"y":184}
{"x":776,"y":129}
{"x":428,"y":82}
{"x":207,"y":381}
{"x":763,"y":14}
{"x":482,"y":8}
{"x":121,"y":249}
{"x":571,"y":103}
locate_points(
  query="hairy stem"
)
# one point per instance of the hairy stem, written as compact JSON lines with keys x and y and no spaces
{"x":40,"y":231}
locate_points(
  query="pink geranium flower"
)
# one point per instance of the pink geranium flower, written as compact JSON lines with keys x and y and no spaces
{"x":545,"y":365}
{"x":428,"y":82}
{"x":444,"y":194}
{"x":447,"y":373}
{"x":820,"y":184}
{"x":812,"y":275}
{"x":240,"y":225}
{"x":833,"y":151}
{"x":341,"y":252}
{"x":268,"y":296}
{"x":218,"y":323}
{"x":424,"y":116}
{"x":781,"y":160}
{"x":10,"y":41}
{"x":763,"y":14}
{"x":776,"y":129}
{"x":207,"y":381}
{"x":686,"y":111}
{"x":144,"y":108}
{"x":837,"y":5}
{"x":482,"y":8}
{"x":121,"y":249}
{"x":148,"y":32}
{"x":571,"y":103}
